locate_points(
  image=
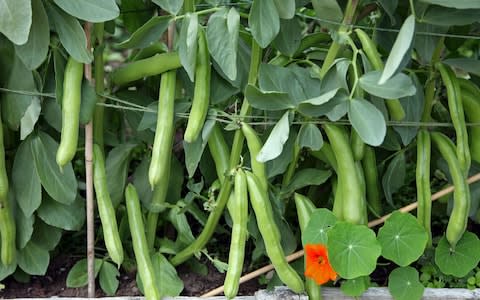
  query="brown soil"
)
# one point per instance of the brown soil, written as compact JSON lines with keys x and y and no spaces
{"x":53,"y":283}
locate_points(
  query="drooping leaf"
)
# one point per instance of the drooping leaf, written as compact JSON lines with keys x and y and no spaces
{"x":116,"y":167}
{"x":194,"y":151}
{"x":264,"y":21}
{"x":399,"y":50}
{"x":446,"y":16}
{"x":268,"y":100}
{"x":25,"y":180}
{"x":310,"y":137}
{"x":187,"y":47}
{"x":88,"y":102}
{"x":328,"y":11}
{"x":285,"y":8}
{"x":394,"y":177}
{"x":34,"y":52}
{"x":398,"y":86}
{"x":317,"y":228}
{"x":33,"y":259}
{"x":403,"y":284}
{"x":402,"y":238}
{"x":172,"y":6}
{"x":306,"y":177}
{"x":108,"y":278}
{"x":466,"y":64}
{"x":30,"y":118}
{"x":460,"y":260}
{"x":390,"y":6}
{"x":138,"y":14}
{"x":289,"y":38}
{"x":356,"y":250}
{"x":147,"y":33}
{"x":167,"y":280}
{"x":78,"y":276}
{"x":90,"y":10}
{"x":222,"y":37}
{"x":460,"y":4}
{"x":15,"y":20}
{"x":68,"y":217}
{"x":280,"y":164}
{"x":7,"y":270}
{"x":24,"y":228}
{"x":273,"y":146}
{"x":62,"y":187}
{"x":46,"y":236}
{"x":367,"y":121}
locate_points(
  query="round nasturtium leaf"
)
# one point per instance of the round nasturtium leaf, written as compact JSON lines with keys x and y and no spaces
{"x":353,"y":250}
{"x":403,"y":284}
{"x":402,"y":238}
{"x":320,"y":222}
{"x":355,"y":287}
{"x":461,"y":260}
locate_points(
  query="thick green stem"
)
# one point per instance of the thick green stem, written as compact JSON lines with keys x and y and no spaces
{"x":99,"y":87}
{"x":188,"y":6}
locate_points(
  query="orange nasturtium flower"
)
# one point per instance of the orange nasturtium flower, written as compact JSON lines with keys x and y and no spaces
{"x":317,"y":265}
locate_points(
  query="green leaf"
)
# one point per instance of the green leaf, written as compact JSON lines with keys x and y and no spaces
{"x":59,"y":63}
{"x":317,"y":228}
{"x":68,"y":217}
{"x":116,"y":168}
{"x":322,"y":99}
{"x":273,"y":146}
{"x":285,"y":8}
{"x":460,"y":4}
{"x":187,"y":44}
{"x":310,"y":137}
{"x":46,"y":236}
{"x":445,"y":16}
{"x":62,"y":187}
{"x":390,"y":6}
{"x":138,"y":14}
{"x":367,"y":121}
{"x":222,"y":37}
{"x":167,"y":280}
{"x":398,"y":86}
{"x":394,"y":176}
{"x":14,"y":105}
{"x":78,"y":276}
{"x":268,"y":100}
{"x":355,"y":287}
{"x":8,"y":270}
{"x":24,"y":228}
{"x":194,"y":151}
{"x":25,"y":180}
{"x":88,"y":103}
{"x":413,"y":107}
{"x":108,"y":278}
{"x":461,"y":260}
{"x":15,"y":20}
{"x":306,"y":177}
{"x":52,"y":113}
{"x":402,"y":238}
{"x":399,"y":50}
{"x":34,"y":52}
{"x":289,"y":38}
{"x":70,"y":32}
{"x":403,"y":284}
{"x":147,"y":33}
{"x":90,"y":10}
{"x":328,"y":10}
{"x":280,"y":164}
{"x":33,"y":259}
{"x":30,"y":118}
{"x":466,"y":64}
{"x":264,"y":21}
{"x":172,"y":6}
{"x":356,"y":250}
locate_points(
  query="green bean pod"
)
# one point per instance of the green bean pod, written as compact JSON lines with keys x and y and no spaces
{"x":422,"y":174}
{"x":72,"y":94}
{"x":305,"y":208}
{"x":201,"y":94}
{"x":3,"y":169}
{"x":370,"y":171}
{"x":471,"y":105}
{"x":455,"y":106}
{"x":106,"y":211}
{"x":159,"y":171}
{"x":394,"y":107}
{"x":239,"y":212}
{"x":254,"y":146}
{"x":266,"y":224}
{"x":139,"y":241}
{"x":219,"y":151}
{"x":457,"y":222}
{"x":353,"y":199}
{"x":358,"y":146}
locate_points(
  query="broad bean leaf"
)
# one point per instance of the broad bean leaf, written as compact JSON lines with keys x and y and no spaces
{"x":399,"y":50}
{"x":425,"y":44}
{"x":138,"y":14}
{"x":289,"y":38}
{"x":273,"y":146}
{"x":390,"y":6}
{"x":94,"y":11}
{"x":194,"y":151}
{"x":264,"y":21}
{"x":30,"y":118}
{"x":306,"y":177}
{"x":172,"y":6}
{"x":59,"y":63}
{"x":310,"y":137}
{"x":280,"y":164}
{"x":285,"y":8}
{"x":268,"y":100}
{"x":61,"y":186}
{"x":34,"y":52}
{"x":46,"y":236}
{"x":445,"y":16}
{"x":398,"y":86}
{"x":25,"y":180}
{"x":170,"y":285}
{"x":187,"y":48}
{"x":460,"y":4}
{"x":394,"y":177}
{"x":222,"y":37}
{"x":404,"y":284}
{"x":33,"y":259}
{"x":108,"y":278}
{"x":460,"y":260}
{"x":468,"y":65}
{"x":88,"y":103}
{"x":329,"y":12}
{"x":367,"y":121}
{"x":336,"y":76}
{"x":24,"y":228}
{"x":413,"y":106}
{"x":78,"y":276}
{"x":116,"y":167}
{"x":7,"y":270}
{"x":56,"y":214}
{"x":70,"y":32}
{"x":148,"y":33}
{"x":52,"y":113}
{"x":15,"y":20}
